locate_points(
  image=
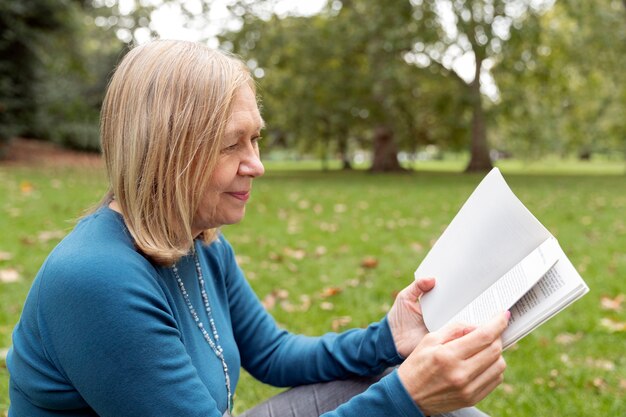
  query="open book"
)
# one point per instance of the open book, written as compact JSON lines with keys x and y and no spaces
{"x":496,"y":256}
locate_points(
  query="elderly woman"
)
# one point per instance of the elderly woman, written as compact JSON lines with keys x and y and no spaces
{"x":142,"y":310}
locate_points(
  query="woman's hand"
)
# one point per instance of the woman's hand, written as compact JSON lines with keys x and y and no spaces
{"x":405,"y":317}
{"x":456,"y":366}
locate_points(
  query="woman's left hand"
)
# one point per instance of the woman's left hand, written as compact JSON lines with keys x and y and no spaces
{"x":405,"y":317}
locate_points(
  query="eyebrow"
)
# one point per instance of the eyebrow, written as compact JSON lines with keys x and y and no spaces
{"x":242,"y":132}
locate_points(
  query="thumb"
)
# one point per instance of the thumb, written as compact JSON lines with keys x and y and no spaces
{"x":418,"y":287}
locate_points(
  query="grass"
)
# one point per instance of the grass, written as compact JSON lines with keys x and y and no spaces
{"x":330,"y":249}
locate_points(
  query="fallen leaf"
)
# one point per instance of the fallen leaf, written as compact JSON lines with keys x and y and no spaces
{"x":507,"y":388}
{"x":48,"y":235}
{"x":612,"y":325}
{"x":341,"y":208}
{"x":417,"y":247}
{"x":340,"y":322}
{"x":9,"y":275}
{"x":613,"y":304}
{"x":605,"y":364}
{"x":369,"y":262}
{"x":5,"y":256}
{"x":26,"y":187}
{"x":330,"y":291}
{"x":269,"y":301}
{"x":327,"y":306}
{"x":622,"y":384}
{"x":320,"y":251}
{"x":298,"y":254}
{"x":287,"y":306}
{"x":568,"y":338}
{"x":599,"y":383}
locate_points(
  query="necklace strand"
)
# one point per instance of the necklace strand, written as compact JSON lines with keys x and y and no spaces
{"x":214,"y":342}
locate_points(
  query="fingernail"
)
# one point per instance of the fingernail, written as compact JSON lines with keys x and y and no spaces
{"x":508,"y":315}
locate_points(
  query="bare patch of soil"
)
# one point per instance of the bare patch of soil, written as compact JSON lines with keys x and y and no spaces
{"x":30,"y":152}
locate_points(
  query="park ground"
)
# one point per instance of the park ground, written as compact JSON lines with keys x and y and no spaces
{"x":326,"y":251}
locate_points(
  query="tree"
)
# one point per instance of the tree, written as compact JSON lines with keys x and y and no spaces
{"x":24,"y":27}
{"x":474,"y":29}
{"x":563,"y":84}
{"x":341,"y":77}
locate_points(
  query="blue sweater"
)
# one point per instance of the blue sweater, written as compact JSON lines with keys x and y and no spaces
{"x":106,"y":332}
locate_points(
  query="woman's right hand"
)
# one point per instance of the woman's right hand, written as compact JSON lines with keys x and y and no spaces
{"x":456,"y":366}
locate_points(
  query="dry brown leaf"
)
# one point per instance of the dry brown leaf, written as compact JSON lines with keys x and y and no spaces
{"x":613,"y":325}
{"x":417,"y":247}
{"x":369,"y":262}
{"x":298,"y":254}
{"x":26,"y":187}
{"x":269,"y":301}
{"x":320,"y":251}
{"x":605,"y":364}
{"x":326,"y":305}
{"x":507,"y":388}
{"x":568,"y":338}
{"x":3,"y":354}
{"x":599,"y":383}
{"x":48,"y":235}
{"x":341,"y":208}
{"x":613,"y":304}
{"x":330,"y":291}
{"x":287,"y":306}
{"x":340,"y":322}
{"x":9,"y":275}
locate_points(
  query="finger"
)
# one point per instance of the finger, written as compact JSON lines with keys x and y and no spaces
{"x":418,"y":287}
{"x":486,"y":382}
{"x":477,"y":340}
{"x":486,"y":359}
{"x":450,"y":332}
{"x":425,"y":284}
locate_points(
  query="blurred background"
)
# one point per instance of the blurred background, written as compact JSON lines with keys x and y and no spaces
{"x":435,"y":87}
{"x":353,"y":83}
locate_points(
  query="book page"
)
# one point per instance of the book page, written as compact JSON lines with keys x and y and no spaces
{"x":506,"y":291}
{"x":561,"y":286}
{"x":492,"y":232}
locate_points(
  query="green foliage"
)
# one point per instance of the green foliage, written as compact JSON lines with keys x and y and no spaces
{"x":24,"y":26}
{"x":329,"y":250}
{"x":562,"y":82}
{"x":329,"y":80}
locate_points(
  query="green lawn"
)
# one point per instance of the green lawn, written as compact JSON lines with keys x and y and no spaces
{"x":328,"y":250}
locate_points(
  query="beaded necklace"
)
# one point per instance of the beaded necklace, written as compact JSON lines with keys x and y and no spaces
{"x":214,"y":342}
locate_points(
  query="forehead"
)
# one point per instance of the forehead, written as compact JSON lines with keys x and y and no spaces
{"x":245,"y":115}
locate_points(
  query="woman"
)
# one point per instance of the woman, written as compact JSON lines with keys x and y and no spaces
{"x":142,"y":310}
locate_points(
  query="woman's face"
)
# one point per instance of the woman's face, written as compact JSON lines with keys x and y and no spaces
{"x":224,"y":200}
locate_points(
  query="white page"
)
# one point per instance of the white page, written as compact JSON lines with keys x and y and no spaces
{"x":561,"y":286}
{"x":491,"y":233}
{"x":512,"y":286}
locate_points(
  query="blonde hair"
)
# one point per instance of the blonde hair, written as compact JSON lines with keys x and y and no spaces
{"x":162,"y":122}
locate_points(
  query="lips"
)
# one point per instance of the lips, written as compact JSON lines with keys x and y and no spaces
{"x":240,"y":195}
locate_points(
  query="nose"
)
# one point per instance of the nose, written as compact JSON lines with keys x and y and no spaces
{"x":251,"y":165}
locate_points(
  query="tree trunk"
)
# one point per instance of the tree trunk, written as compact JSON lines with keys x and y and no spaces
{"x":385,"y":151}
{"x":479,"y":151}
{"x":343,"y":152}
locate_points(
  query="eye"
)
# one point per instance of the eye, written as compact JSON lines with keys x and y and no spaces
{"x":230,"y":148}
{"x":256,"y":139}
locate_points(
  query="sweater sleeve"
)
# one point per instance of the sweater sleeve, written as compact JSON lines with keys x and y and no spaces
{"x":109,"y":330}
{"x":386,"y":398}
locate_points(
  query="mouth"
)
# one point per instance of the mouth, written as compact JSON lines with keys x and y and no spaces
{"x":240,"y":195}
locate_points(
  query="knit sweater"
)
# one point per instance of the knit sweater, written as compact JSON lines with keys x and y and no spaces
{"x":106,"y":332}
